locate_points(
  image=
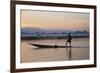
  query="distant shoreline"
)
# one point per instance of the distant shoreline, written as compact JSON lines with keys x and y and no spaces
{"x":40,"y":38}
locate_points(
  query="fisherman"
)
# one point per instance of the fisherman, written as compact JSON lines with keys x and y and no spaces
{"x":69,"y":39}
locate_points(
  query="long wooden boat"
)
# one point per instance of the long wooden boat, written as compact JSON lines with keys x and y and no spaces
{"x":55,"y":46}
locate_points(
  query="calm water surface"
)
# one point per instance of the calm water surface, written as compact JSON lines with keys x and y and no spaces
{"x":31,"y":53}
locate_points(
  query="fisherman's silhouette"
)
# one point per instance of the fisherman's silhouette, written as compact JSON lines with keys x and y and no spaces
{"x":69,"y":40}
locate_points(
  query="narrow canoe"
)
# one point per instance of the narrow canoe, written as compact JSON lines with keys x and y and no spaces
{"x":55,"y":46}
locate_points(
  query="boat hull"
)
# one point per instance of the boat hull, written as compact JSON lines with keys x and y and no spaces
{"x":56,"y":46}
{"x":48,"y":46}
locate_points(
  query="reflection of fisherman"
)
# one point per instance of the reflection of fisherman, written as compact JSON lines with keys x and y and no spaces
{"x":69,"y":39}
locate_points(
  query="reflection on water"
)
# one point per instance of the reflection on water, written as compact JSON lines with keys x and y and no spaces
{"x":31,"y":53}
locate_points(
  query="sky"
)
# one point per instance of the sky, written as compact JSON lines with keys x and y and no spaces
{"x":55,"y":20}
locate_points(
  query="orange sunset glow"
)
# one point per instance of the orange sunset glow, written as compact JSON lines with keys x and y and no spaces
{"x":55,"y":20}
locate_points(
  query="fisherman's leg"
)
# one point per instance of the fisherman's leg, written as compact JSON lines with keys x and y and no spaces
{"x":66,"y":43}
{"x":70,"y":44}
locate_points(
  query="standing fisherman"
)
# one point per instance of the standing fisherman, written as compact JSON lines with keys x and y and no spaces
{"x":69,"y":39}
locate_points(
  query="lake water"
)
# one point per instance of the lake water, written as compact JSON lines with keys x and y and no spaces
{"x":31,"y":53}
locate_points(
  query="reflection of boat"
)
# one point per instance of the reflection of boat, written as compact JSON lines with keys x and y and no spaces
{"x":55,"y":46}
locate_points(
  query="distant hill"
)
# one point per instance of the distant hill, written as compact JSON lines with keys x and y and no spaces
{"x":37,"y":32}
{"x":31,"y":30}
{"x":34,"y":30}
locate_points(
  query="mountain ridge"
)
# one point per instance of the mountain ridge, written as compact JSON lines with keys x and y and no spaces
{"x":39,"y":30}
